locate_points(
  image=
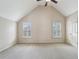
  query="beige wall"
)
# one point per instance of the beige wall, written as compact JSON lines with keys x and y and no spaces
{"x":7,"y":33}
{"x":41,"y":18}
{"x":71,"y":37}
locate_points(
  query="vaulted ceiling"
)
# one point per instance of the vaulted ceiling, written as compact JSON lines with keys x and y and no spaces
{"x":16,"y":9}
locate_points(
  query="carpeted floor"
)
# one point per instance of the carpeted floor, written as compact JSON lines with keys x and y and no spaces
{"x":40,"y":51}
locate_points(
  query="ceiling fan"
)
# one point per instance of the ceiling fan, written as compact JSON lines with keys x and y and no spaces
{"x":54,"y":1}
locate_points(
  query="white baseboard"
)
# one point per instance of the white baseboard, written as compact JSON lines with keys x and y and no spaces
{"x":7,"y":46}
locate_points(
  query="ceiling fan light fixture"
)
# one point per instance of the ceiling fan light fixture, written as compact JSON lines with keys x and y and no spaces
{"x":47,"y":0}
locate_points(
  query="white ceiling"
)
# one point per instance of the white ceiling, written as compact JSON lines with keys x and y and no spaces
{"x":66,"y":7}
{"x":16,"y":9}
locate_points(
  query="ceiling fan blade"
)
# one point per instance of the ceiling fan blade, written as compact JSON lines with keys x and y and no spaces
{"x":38,"y":0}
{"x":45,"y":4}
{"x":54,"y":1}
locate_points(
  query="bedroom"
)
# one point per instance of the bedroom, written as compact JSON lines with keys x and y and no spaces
{"x":38,"y":29}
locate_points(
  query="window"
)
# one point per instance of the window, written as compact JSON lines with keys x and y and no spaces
{"x":27,"y":30}
{"x":74,"y":28}
{"x":56,"y":29}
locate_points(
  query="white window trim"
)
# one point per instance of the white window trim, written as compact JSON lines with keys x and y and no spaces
{"x":26,"y":24}
{"x":54,"y":23}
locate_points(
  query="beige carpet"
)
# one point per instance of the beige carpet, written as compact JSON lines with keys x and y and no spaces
{"x":46,"y":51}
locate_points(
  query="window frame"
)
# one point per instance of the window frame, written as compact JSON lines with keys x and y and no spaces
{"x":28,"y":31}
{"x":54,"y":24}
